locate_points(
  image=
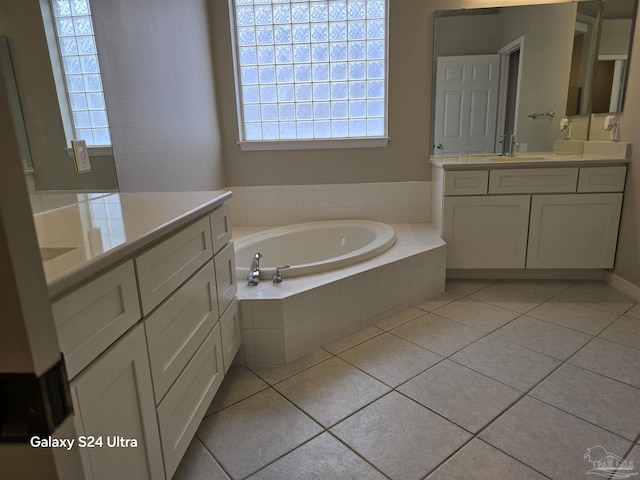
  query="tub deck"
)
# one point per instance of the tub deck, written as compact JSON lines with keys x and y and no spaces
{"x":282,"y":322}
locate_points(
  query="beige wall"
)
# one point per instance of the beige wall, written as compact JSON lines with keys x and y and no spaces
{"x":405,"y":158}
{"x":21,"y":22}
{"x":155,"y":58}
{"x":545,"y":63}
{"x":468,"y":35}
{"x":410,"y":73}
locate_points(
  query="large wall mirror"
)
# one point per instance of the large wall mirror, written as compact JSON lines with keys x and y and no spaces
{"x":26,"y":63}
{"x":521,"y":69}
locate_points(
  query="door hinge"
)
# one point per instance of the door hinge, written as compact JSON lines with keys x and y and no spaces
{"x":33,"y":405}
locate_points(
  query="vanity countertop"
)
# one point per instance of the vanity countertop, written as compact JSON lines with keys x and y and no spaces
{"x":79,"y":241}
{"x":525,"y":160}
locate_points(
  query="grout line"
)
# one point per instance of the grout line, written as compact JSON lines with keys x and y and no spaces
{"x":395,"y":389}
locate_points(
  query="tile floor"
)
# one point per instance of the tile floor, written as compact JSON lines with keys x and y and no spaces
{"x":500,"y":380}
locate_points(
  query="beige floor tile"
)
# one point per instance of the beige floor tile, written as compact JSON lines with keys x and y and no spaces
{"x":506,"y":362}
{"x":479,"y":315}
{"x":198,"y":464}
{"x":401,"y":438}
{"x":390,"y":359}
{"x":610,"y":359}
{"x":255,"y":431}
{"x":519,"y":300}
{"x":543,"y":288}
{"x":331,"y":390}
{"x":572,"y":315}
{"x":466,"y":287}
{"x":273,"y":375}
{"x":624,"y":330}
{"x":399,"y":318}
{"x":632,"y":456}
{"x":479,"y":461}
{"x":439,"y":301}
{"x":353,"y":340}
{"x":599,"y":295}
{"x":465,"y":397}
{"x":438,"y":334}
{"x":608,"y":403}
{"x":322,"y":457}
{"x":549,"y":440}
{"x":634,"y":312}
{"x":239,"y":383}
{"x":543,"y":337}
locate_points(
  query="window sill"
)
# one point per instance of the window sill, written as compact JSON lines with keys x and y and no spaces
{"x":314,"y":144}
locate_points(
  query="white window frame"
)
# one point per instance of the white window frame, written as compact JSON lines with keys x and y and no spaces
{"x":312,"y":143}
{"x":62,"y":91}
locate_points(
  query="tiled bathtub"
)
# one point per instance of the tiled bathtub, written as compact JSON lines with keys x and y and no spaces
{"x":282,"y":322}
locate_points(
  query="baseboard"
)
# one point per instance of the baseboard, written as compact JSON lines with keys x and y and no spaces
{"x":526,"y":274}
{"x":623,"y":285}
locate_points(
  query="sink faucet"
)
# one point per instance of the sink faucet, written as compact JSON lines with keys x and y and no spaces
{"x":253,"y":277}
{"x":503,"y":145}
{"x":513,"y":145}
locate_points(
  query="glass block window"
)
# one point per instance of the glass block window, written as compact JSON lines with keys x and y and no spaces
{"x":311,"y":69}
{"x":77,"y":46}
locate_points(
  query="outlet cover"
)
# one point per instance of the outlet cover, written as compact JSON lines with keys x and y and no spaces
{"x":81,"y":155}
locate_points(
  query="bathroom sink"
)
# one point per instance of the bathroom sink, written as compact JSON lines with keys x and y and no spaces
{"x":52,"y":252}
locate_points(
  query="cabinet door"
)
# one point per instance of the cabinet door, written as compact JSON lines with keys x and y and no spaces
{"x":184,"y":406}
{"x":231,"y":332}
{"x":486,"y":232}
{"x":226,"y":283}
{"x":114,"y":399}
{"x":574,"y":231}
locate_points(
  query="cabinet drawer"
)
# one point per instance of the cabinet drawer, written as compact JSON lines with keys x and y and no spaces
{"x":472,"y":182}
{"x":183,"y":408}
{"x":226,"y":277}
{"x":167,"y":265}
{"x":602,"y":179}
{"x":177,"y":328}
{"x":533,"y":180}
{"x":231,"y":334}
{"x":92,"y":317}
{"x":220,"y":227}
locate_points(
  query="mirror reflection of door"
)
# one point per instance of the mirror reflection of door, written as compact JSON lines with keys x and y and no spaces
{"x":466,"y":104}
{"x":608,"y":85}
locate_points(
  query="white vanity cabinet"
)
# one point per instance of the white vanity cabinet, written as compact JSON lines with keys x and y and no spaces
{"x":147,"y":345}
{"x":536,"y":218}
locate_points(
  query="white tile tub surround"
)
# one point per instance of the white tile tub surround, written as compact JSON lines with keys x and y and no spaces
{"x":282,"y":322}
{"x":392,"y":202}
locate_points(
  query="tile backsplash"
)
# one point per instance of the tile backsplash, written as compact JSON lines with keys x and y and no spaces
{"x":393,"y":202}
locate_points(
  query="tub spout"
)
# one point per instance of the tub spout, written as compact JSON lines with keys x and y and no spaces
{"x":277,"y":275}
{"x":253,"y":277}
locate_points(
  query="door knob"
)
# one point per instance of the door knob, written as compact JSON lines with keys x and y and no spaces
{"x":439,"y":146}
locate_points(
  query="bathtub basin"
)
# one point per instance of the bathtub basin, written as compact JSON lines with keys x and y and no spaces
{"x":313,"y":247}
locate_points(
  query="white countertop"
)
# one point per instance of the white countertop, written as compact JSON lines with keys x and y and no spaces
{"x":532,"y":159}
{"x":79,"y":241}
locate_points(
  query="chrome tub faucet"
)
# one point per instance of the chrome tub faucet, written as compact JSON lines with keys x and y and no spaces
{"x":253,"y":277}
{"x":277,"y":275}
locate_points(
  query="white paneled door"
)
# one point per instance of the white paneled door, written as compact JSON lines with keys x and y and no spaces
{"x":466,"y":104}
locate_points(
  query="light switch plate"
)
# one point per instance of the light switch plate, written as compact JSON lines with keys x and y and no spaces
{"x":81,"y":155}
